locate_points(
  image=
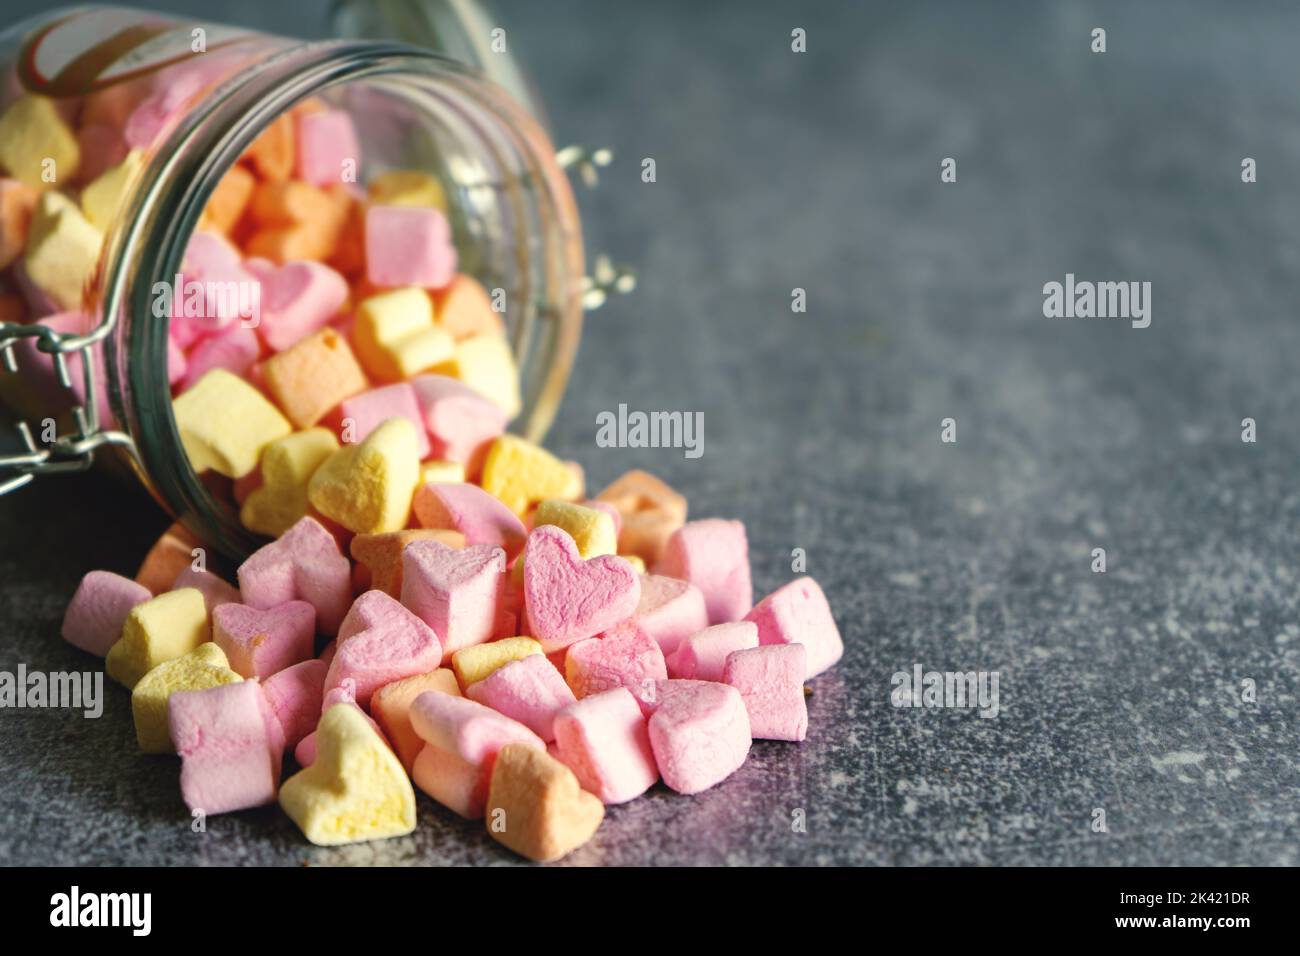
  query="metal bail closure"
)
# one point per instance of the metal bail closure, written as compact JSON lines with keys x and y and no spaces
{"x":606,"y":278}
{"x":70,"y":452}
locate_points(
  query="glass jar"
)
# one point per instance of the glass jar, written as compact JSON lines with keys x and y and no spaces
{"x":514,"y":220}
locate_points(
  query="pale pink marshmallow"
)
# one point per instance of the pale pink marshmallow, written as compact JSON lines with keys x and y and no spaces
{"x":409,"y":245}
{"x":670,"y":610}
{"x":568,"y":599}
{"x":462,"y":739}
{"x":702,"y":656}
{"x":624,"y":656}
{"x":770,"y":681}
{"x":159,"y":111}
{"x":295,"y":695}
{"x":712,"y":554}
{"x":260,"y":643}
{"x":183,"y":333}
{"x":797,"y":613}
{"x":304,"y":563}
{"x":465,"y":727}
{"x":263,"y":270}
{"x":346,"y":694}
{"x":94,"y":618}
{"x":213,"y":285}
{"x":529,"y":690}
{"x":380,"y":641}
{"x":208,"y":252}
{"x":603,"y":739}
{"x":298,"y":299}
{"x":177,"y":363}
{"x":456,"y":783}
{"x":361,"y":414}
{"x":461,"y":422}
{"x":234,"y":348}
{"x":456,"y":591}
{"x":228,"y":741}
{"x":326,"y":147}
{"x":650,"y":694}
{"x":215,"y":590}
{"x":699,"y":735}
{"x":478,"y":515}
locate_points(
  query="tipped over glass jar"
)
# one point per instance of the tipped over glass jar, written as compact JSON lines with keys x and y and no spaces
{"x":175,"y":106}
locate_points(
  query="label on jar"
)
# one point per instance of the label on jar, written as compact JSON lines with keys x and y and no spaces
{"x":95,"y":48}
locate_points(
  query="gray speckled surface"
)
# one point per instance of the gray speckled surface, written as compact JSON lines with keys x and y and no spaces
{"x":1119,"y":691}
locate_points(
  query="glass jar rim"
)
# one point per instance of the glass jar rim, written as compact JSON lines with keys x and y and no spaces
{"x":175,"y":187}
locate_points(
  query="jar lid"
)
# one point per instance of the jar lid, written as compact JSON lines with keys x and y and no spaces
{"x":461,"y":30}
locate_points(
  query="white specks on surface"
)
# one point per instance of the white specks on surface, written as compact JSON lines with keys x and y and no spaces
{"x":1177,"y":762}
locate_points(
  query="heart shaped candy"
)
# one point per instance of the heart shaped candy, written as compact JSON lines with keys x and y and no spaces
{"x":380,"y":641}
{"x":260,"y":643}
{"x":568,"y":599}
{"x":304,"y":563}
{"x":367,"y":488}
{"x":355,"y":790}
{"x":536,"y":807}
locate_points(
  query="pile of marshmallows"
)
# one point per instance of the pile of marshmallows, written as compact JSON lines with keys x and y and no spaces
{"x":493,"y":636}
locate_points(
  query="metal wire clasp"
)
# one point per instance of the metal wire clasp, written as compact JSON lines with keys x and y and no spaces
{"x":606,"y":278}
{"x":73,"y":451}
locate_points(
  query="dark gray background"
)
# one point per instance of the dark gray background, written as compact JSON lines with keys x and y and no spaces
{"x":1118,"y":691}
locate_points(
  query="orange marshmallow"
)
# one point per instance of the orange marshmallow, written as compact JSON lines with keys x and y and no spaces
{"x":17,"y":203}
{"x":229,"y":200}
{"x":536,"y":807}
{"x":382,"y":554}
{"x":391,"y":707}
{"x":349,"y":255}
{"x":313,"y":376}
{"x":464,"y":309}
{"x":292,"y":203}
{"x":651,"y":511}
{"x":168,"y":556}
{"x":291,"y":243}
{"x":273,"y":153}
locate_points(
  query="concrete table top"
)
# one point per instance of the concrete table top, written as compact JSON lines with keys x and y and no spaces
{"x":1121,"y":691}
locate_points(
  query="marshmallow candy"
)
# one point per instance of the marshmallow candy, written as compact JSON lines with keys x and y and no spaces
{"x":380,"y":641}
{"x":229,"y":744}
{"x":94,"y":618}
{"x":702,"y":656}
{"x":714,"y":556}
{"x":462,"y":739}
{"x":305,"y":563}
{"x":530,"y":690}
{"x":770,"y":680}
{"x":603,"y":739}
{"x":536,"y":807}
{"x":700,"y":735}
{"x":356,"y":789}
{"x":797,"y":613}
{"x":568,"y":599}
